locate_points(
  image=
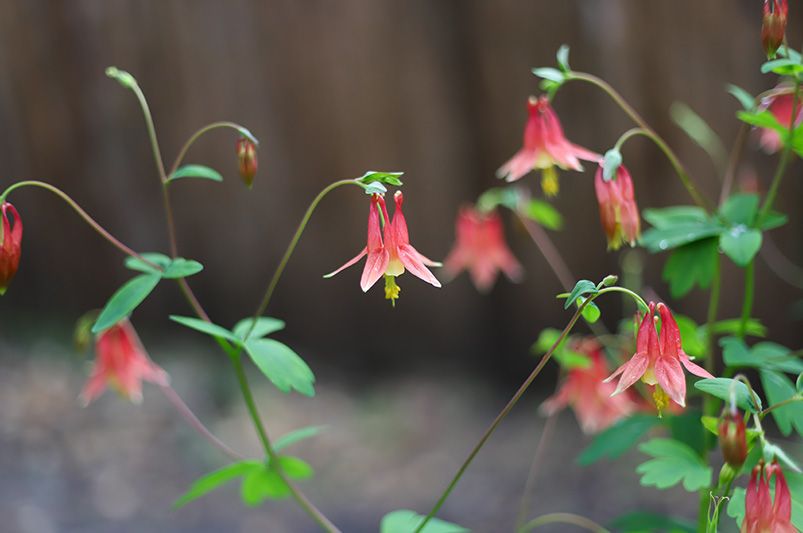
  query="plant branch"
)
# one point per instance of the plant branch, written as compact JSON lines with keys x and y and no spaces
{"x":563,"y":518}
{"x":195,"y":136}
{"x":793,"y":399}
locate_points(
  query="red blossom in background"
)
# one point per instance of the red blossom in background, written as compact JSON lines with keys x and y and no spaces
{"x":762,"y":515}
{"x":122,"y":363}
{"x":779,"y":102}
{"x":618,"y":211}
{"x":590,"y":397}
{"x":773,"y":27}
{"x":481,"y":249}
{"x":10,"y":246}
{"x":390,"y":252}
{"x":545,"y":147}
{"x":658,"y":361}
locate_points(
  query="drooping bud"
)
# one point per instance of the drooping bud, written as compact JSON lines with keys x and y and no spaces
{"x":732,"y":437}
{"x":773,"y":27}
{"x":10,"y":245}
{"x":618,"y":211}
{"x":247,"y":160}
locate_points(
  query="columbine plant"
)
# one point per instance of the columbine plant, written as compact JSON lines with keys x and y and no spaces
{"x":758,"y":484}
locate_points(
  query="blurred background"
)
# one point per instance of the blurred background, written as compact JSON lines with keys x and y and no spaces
{"x":332,"y":89}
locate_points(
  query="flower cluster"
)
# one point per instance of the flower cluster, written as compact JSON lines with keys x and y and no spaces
{"x":762,"y":515}
{"x":10,"y":245}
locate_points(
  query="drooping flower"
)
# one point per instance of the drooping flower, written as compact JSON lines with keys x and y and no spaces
{"x":122,"y":363}
{"x":389,"y":250}
{"x":481,"y":249}
{"x":587,"y":394}
{"x":762,"y":515}
{"x":732,"y":437}
{"x":618,"y":211}
{"x":246,"y":160}
{"x":779,"y":101}
{"x":658,"y":360}
{"x":545,"y":147}
{"x":10,"y":245}
{"x":773,"y":26}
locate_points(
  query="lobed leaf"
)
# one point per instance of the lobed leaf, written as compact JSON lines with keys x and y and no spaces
{"x":205,"y":327}
{"x":617,"y":439}
{"x":405,"y":521}
{"x":673,"y":462}
{"x":281,"y":365}
{"x":125,"y":300}
{"x":213,"y":480}
{"x":722,"y":388}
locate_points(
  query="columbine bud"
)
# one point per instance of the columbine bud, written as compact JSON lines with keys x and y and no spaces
{"x":247,"y":160}
{"x":773,"y":28}
{"x":10,"y":245}
{"x":732,"y":438}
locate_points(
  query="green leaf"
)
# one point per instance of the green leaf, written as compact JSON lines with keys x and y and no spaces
{"x":505,"y":196}
{"x":168,"y":268}
{"x":245,"y":132}
{"x":763,"y":119}
{"x":288,"y":439}
{"x":773,"y":452}
{"x":375,"y":188}
{"x":646,"y":522}
{"x":195,"y":171}
{"x":711,"y":423}
{"x":700,"y":132}
{"x":678,"y":233}
{"x":125,"y":300}
{"x":722,"y":387}
{"x":611,"y":163}
{"x":746,"y":99}
{"x":182,"y":268}
{"x":772,"y":220}
{"x":213,"y":480}
{"x":387,"y":178}
{"x":205,"y":327}
{"x":679,"y":214}
{"x":733,"y":326}
{"x":691,"y":264}
{"x":740,"y":243}
{"x":693,"y":343}
{"x":740,"y":209}
{"x":617,"y":439}
{"x":551,"y":74}
{"x":264,"y":326}
{"x":735,"y":507}
{"x":582,"y":287}
{"x":685,"y":428}
{"x":295,"y":468}
{"x":799,"y":383}
{"x":567,"y":358}
{"x":778,"y":388}
{"x":767,"y":355}
{"x":281,"y":365}
{"x":563,"y":58}
{"x":591,"y":312}
{"x":672,"y":463}
{"x":261,"y":484}
{"x":543,"y":213}
{"x":405,"y":521}
{"x":782,"y":67}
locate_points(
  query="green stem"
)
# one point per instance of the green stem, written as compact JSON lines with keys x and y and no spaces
{"x":749,"y":293}
{"x":562,"y":518}
{"x":793,"y":399}
{"x":639,"y":300}
{"x":546,"y":435}
{"x":687,"y":181}
{"x":632,"y":132}
{"x":195,"y":136}
{"x":501,"y":416}
{"x":146,"y":111}
{"x":277,"y":274}
{"x":100,"y":230}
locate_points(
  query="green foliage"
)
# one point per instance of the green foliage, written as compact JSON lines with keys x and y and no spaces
{"x":740,"y":244}
{"x":617,"y":439}
{"x":691,"y":336}
{"x":544,"y":213}
{"x":505,"y":196}
{"x":685,"y":428}
{"x":723,"y":388}
{"x":549,"y":73}
{"x":125,"y":300}
{"x":374,"y":188}
{"x":167,"y":268}
{"x":764,"y":355}
{"x":676,"y":226}
{"x":732,"y":326}
{"x":736,"y":508}
{"x":288,"y":439}
{"x":711,"y":423}
{"x":567,"y":358}
{"x":263,"y":327}
{"x":281,"y":365}
{"x":213,"y":480}
{"x":405,"y":521}
{"x":646,"y":522}
{"x":700,"y":132}
{"x":386,"y":178}
{"x":673,"y":462}
{"x":205,"y":327}
{"x":590,"y":312}
{"x":583,"y":287}
{"x":746,"y":99}
{"x":611,"y":163}
{"x":563,"y":58}
{"x":782,"y":67}
{"x":692,"y":264}
{"x":197,"y":172}
{"x":778,"y":388}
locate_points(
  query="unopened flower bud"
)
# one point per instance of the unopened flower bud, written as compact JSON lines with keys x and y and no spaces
{"x":732,"y":438}
{"x":10,"y":245}
{"x":247,"y":160}
{"x":773,"y":27}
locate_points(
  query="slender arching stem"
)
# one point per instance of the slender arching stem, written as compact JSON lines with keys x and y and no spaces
{"x":687,"y":181}
{"x":195,"y":136}
{"x":563,"y":518}
{"x":733,"y":161}
{"x":146,"y":111}
{"x":793,"y":399}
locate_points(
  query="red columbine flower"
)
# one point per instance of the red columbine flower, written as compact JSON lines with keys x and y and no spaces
{"x":390,"y":252}
{"x":658,"y":361}
{"x":779,"y":101}
{"x":618,"y":211}
{"x":762,"y":515}
{"x":121,"y":361}
{"x":773,"y":27}
{"x":481,"y":248}
{"x":544,"y":148}
{"x":246,"y":160}
{"x":10,"y":246}
{"x":585,"y":391}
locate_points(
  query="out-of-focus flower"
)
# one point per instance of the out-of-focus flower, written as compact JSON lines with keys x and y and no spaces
{"x":122,"y":363}
{"x":732,"y":437}
{"x":10,"y":245}
{"x":545,"y":147}
{"x":618,"y":211}
{"x":762,"y":515}
{"x":587,"y":394}
{"x":658,"y":361}
{"x":779,"y":101}
{"x":246,"y":160}
{"x":773,"y":27}
{"x":481,"y":249}
{"x":389,"y":250}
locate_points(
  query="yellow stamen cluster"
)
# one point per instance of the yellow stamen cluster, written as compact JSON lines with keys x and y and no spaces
{"x":661,"y":399}
{"x":549,"y":182}
{"x":392,"y":290}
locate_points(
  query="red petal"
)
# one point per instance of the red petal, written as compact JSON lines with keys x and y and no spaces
{"x":695,"y":369}
{"x":348,"y":263}
{"x":410,"y":258}
{"x":670,"y":377}
{"x":375,"y":267}
{"x":631,"y":371}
